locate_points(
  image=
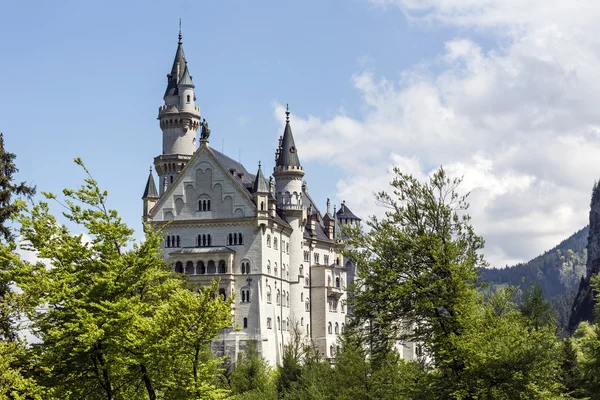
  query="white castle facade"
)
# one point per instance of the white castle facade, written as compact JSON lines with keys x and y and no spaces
{"x":265,"y":241}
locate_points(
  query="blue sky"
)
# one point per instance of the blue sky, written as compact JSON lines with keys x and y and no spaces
{"x":85,"y":79}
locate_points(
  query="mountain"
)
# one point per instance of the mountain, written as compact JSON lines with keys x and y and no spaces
{"x":583,"y":305}
{"x":558,"y":272}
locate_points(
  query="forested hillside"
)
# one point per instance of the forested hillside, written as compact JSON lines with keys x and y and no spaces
{"x":558,"y":272}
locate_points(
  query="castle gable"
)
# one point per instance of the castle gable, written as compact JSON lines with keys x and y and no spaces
{"x":205,"y":189}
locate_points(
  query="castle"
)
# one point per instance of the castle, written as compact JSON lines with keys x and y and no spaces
{"x":264,"y":240}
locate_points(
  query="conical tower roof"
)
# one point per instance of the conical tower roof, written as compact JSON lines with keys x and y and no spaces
{"x":344,"y":212}
{"x":260,"y":184}
{"x":150,"y":192}
{"x":288,"y":154}
{"x":177,"y":70}
{"x":186,"y":79}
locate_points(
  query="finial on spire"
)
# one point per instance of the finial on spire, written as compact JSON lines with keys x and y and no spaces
{"x":258,"y":163}
{"x":151,"y":169}
{"x":287,"y":113}
{"x":179,"y":31}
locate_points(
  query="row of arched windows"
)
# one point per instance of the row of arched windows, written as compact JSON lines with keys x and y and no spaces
{"x":282,"y":298}
{"x":330,"y":328}
{"x":173,"y":241}
{"x":245,"y":268}
{"x":204,"y":240}
{"x":235,"y":239}
{"x":203,"y":205}
{"x":200,"y":268}
{"x":338,"y":282}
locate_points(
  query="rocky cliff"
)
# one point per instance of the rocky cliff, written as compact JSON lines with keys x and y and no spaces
{"x":583,"y":306}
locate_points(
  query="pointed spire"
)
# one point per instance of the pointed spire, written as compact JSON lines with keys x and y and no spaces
{"x":260,"y":185}
{"x":186,"y":79}
{"x":288,"y":155}
{"x":150,"y":191}
{"x":180,"y":37}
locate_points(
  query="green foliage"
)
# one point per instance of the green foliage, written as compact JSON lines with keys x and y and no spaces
{"x":557,"y":272}
{"x":251,"y":376}
{"x":417,"y":267}
{"x":116,"y":323}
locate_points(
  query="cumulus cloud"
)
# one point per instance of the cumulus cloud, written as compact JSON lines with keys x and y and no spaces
{"x":519,"y":121}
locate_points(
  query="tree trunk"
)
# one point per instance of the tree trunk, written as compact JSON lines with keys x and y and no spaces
{"x":147,"y":382}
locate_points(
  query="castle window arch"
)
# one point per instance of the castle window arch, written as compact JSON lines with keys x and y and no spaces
{"x":275,"y":243}
{"x":343,"y":326}
{"x":168,"y":241}
{"x":245,"y":322}
{"x":268,"y":240}
{"x":329,"y":328}
{"x":301,"y":271}
{"x":188,"y":98}
{"x":302,"y":321}
{"x":278,"y":324}
{"x":287,"y":302}
{"x":189,"y":268}
{"x":179,"y":267}
{"x":278,"y":297}
{"x":268,"y":266}
{"x":262,"y":206}
{"x":269,"y":323}
{"x":337,"y":329}
{"x":275,"y":269}
{"x":337,"y":282}
{"x":212,"y":269}
{"x":331,"y":351}
{"x":222,"y":267}
{"x":200,"y":268}
{"x":245,"y":292}
{"x":269,"y":294}
{"x":245,"y":267}
{"x":222,"y":293}
{"x":240,"y":238}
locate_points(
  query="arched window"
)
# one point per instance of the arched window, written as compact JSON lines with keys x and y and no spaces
{"x":179,"y":267}
{"x":188,"y":98}
{"x":337,"y":261}
{"x":287,"y":302}
{"x":245,"y":322}
{"x":268,"y":266}
{"x":235,"y":239}
{"x":287,"y":324}
{"x":269,"y":294}
{"x":222,"y":267}
{"x":178,"y":243}
{"x":278,"y":324}
{"x":275,"y":269}
{"x":207,"y":205}
{"x":307,"y":305}
{"x":211,"y":267}
{"x":230,"y":239}
{"x":262,"y":206}
{"x":201,"y":268}
{"x":275,"y":243}
{"x":168,"y":241}
{"x":269,"y":323}
{"x":331,"y":351}
{"x":189,"y":268}
{"x":278,"y":297}
{"x":240,"y":240}
{"x":209,"y":240}
{"x":268,"y":240}
{"x":302,"y":321}
{"x":301,"y":296}
{"x":329,"y":328}
{"x":343,"y":327}
{"x":301,"y":271}
{"x":222,"y":293}
{"x":337,"y":329}
{"x":337,"y":282}
{"x":287,"y":248}
{"x":283,"y":298}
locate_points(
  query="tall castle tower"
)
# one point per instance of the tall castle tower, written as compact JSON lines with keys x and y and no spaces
{"x":288,"y":174}
{"x":179,"y":120}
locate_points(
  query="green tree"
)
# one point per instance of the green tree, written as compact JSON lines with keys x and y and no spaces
{"x":417,"y":268}
{"x":569,"y":368}
{"x":290,"y":370}
{"x":116,"y":323}
{"x":15,"y":366}
{"x":251,"y":376}
{"x":537,"y":309}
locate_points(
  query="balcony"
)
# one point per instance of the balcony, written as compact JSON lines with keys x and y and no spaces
{"x":333,"y":291}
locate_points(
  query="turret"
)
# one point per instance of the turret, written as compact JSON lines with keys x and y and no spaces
{"x":288,"y":172}
{"x":179,"y":120}
{"x":150,"y":196}
{"x":260,"y":190}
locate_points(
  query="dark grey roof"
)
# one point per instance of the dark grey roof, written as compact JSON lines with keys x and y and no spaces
{"x":288,"y":153}
{"x":186,"y":79}
{"x":344,"y":212}
{"x":260,"y":185}
{"x":150,"y":191}
{"x":318,"y":233}
{"x":173,"y":76}
{"x":309,"y":203}
{"x":231,"y":164}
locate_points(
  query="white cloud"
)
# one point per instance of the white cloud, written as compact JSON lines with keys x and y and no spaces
{"x":520,"y":122}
